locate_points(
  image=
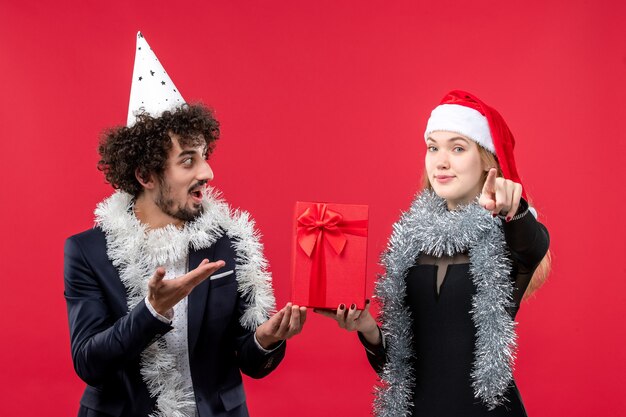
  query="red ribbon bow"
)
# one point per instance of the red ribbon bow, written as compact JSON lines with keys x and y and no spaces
{"x":319,"y":224}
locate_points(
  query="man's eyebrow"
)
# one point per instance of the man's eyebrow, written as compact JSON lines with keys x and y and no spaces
{"x":187,"y":152}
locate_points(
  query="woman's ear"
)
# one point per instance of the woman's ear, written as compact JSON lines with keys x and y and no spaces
{"x":146,"y":180}
{"x":488,"y":164}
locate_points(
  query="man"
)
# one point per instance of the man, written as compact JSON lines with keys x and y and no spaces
{"x":168,"y":295}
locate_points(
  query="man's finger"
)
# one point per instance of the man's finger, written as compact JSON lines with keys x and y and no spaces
{"x":284,"y":323}
{"x":294,"y":323}
{"x":202,"y":272}
{"x":159,"y":274}
{"x":276,"y":319}
{"x":302,"y":316}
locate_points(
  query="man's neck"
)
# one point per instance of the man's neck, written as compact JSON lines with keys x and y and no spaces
{"x":149,"y":214}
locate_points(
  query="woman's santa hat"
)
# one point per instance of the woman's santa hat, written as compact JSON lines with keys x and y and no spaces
{"x":464,"y":113}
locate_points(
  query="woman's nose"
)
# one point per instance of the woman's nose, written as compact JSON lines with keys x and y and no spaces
{"x":442,"y":160}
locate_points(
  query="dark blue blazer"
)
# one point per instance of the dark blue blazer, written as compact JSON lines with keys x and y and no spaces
{"x":107,"y":339}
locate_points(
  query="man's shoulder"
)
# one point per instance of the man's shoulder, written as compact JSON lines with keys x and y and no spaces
{"x":94,"y":234}
{"x":90,"y":240}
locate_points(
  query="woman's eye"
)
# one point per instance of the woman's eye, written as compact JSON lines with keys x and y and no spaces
{"x":431,"y":149}
{"x":458,"y":149}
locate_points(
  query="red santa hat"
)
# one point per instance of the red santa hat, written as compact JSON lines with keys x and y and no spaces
{"x":464,"y":113}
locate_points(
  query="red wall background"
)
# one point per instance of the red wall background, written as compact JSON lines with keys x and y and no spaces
{"x":323,"y":100}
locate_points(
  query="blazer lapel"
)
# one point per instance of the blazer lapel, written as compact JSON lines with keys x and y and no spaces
{"x":197,"y":298}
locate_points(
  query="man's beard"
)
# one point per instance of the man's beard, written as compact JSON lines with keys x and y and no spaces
{"x":169,"y":206}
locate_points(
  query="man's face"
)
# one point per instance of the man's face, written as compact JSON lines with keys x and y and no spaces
{"x":181,"y":188}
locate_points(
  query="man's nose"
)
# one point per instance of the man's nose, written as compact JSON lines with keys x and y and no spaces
{"x":205,"y":173}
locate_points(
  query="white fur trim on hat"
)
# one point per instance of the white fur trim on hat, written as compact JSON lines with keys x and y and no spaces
{"x":462,"y":120}
{"x":152,"y":90}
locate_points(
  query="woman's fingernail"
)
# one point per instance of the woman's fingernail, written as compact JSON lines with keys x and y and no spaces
{"x":508,"y":219}
{"x":353,"y":306}
{"x":494,"y":215}
{"x":367,"y":302}
{"x":342,"y":307}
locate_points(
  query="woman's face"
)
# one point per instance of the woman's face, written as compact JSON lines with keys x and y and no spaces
{"x":454,"y":167}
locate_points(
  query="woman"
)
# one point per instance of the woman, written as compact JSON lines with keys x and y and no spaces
{"x":457,"y":266}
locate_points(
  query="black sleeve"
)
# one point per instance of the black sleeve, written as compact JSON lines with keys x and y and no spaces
{"x":100,"y":344}
{"x":253,"y":361}
{"x":528,"y":241}
{"x":376,"y":354}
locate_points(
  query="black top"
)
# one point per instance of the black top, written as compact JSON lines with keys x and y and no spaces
{"x":444,"y":333}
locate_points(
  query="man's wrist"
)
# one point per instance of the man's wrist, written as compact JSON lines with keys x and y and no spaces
{"x":268,"y":350}
{"x":266,"y":341}
{"x":166,"y":317}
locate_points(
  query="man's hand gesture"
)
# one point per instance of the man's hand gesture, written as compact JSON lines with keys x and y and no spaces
{"x":164,"y":294}
{"x":286,"y":323}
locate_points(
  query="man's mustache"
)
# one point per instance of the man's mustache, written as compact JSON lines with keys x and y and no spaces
{"x":198,"y":185}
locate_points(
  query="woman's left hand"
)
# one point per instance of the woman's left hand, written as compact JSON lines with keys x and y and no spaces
{"x":500,"y":196}
{"x":352,"y":319}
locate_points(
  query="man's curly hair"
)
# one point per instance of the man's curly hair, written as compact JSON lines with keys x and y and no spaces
{"x":144,"y":147}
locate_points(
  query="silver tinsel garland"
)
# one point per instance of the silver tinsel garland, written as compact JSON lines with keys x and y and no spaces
{"x":430,"y":228}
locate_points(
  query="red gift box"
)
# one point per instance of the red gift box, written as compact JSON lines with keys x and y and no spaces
{"x":329,"y":255}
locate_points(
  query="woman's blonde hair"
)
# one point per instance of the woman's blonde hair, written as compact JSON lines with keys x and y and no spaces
{"x":540,"y":275}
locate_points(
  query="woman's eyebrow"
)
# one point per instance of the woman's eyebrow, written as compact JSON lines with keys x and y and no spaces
{"x":453,"y":139}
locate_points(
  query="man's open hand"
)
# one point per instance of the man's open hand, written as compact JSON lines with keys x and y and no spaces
{"x":164,"y":294}
{"x":286,"y":323}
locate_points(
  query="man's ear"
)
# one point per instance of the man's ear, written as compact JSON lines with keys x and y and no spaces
{"x":147,"y":181}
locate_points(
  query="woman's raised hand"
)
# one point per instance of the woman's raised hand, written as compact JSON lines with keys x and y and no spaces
{"x":500,"y":196}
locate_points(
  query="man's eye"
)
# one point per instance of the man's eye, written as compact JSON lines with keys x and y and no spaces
{"x":187,"y":161}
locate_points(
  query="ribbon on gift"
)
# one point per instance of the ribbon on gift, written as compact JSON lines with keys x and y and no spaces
{"x":317,"y":225}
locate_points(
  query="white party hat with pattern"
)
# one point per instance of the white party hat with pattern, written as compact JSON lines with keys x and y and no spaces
{"x":152,"y":90}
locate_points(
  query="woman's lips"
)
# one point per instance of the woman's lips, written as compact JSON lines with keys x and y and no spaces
{"x":443,"y":179}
